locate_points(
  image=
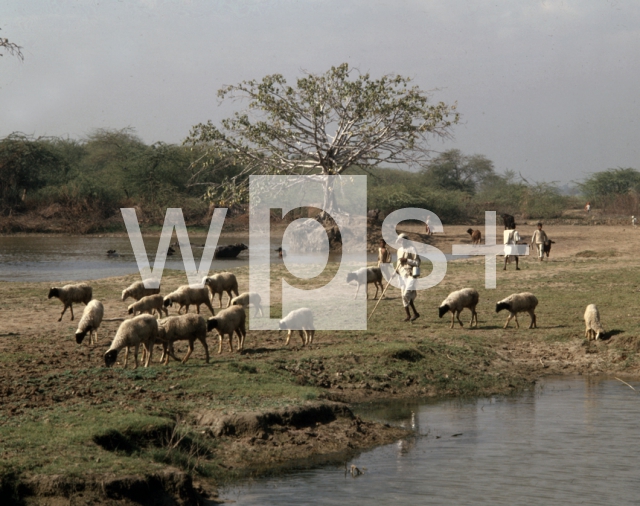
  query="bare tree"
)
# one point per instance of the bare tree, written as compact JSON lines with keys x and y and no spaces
{"x":11,"y":48}
{"x":323,"y":125}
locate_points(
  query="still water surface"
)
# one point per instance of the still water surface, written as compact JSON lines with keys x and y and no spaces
{"x":571,"y":441}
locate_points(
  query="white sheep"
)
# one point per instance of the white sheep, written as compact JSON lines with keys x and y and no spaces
{"x":143,"y":329}
{"x":90,"y":322}
{"x":69,"y":294}
{"x":592,"y":322}
{"x":227,"y":322}
{"x":519,"y":303}
{"x":302,"y":321}
{"x":221,"y":282}
{"x":147,"y":304}
{"x":248,"y":298}
{"x":137,"y":290}
{"x":187,"y":327}
{"x":366,"y":275}
{"x":186,"y":296}
{"x":457,"y":301}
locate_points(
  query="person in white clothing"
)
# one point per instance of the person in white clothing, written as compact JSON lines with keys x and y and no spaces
{"x":634,"y":221}
{"x":511,"y":238}
{"x":408,"y":259}
{"x":539,"y":238}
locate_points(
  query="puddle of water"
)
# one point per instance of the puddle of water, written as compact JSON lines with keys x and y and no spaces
{"x":571,"y":441}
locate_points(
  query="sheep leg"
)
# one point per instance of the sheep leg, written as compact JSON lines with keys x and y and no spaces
{"x":458,"y":317}
{"x":376,"y":295}
{"x":532,"y":325}
{"x":311,"y":334}
{"x":288,"y":337}
{"x":208,"y":303}
{"x":189,"y":352}
{"x":198,"y":308}
{"x":474,"y":316}
{"x":135,"y":355}
{"x":231,"y":342}
{"x":303,"y":336}
{"x":229,"y":301}
{"x":126,"y":357}
{"x":357,"y":290}
{"x":453,"y":316}
{"x":219,"y":343}
{"x":206,"y":348}
{"x":71,"y":309}
{"x":62,"y":314}
{"x":517,"y":324}
{"x":508,"y":320}
{"x":220,"y":300}
{"x":148,"y":347}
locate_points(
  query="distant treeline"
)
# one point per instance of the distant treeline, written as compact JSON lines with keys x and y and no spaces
{"x":111,"y":169}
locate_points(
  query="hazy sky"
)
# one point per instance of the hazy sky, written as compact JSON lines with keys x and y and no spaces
{"x":546,"y":88}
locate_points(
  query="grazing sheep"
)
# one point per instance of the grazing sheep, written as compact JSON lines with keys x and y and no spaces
{"x":457,"y":301}
{"x":248,"y":298}
{"x":69,"y":294}
{"x":90,"y":322}
{"x":300,"y":320}
{"x":142,"y":329}
{"x":228,"y":321}
{"x":519,"y":303}
{"x":476,"y":236}
{"x":546,"y":248}
{"x":187,"y":327}
{"x":187,"y":296}
{"x":592,"y":321}
{"x":372,"y":274}
{"x":148,"y":304}
{"x":222,"y":282}
{"x":137,"y":291}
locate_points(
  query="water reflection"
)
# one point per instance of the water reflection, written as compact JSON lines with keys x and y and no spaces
{"x":570,"y":441}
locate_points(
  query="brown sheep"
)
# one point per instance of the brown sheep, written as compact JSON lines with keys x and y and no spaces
{"x":476,"y":236}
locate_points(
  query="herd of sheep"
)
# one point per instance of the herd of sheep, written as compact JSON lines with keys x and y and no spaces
{"x":146,"y":330}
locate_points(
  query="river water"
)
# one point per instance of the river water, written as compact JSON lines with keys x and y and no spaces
{"x":570,"y":441}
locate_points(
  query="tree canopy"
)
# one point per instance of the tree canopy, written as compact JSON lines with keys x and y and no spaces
{"x":452,"y":170}
{"x":323,"y":125}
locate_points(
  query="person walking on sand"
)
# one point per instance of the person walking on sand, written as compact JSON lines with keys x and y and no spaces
{"x":427,"y":228}
{"x":588,"y":207}
{"x":511,"y":238}
{"x":408,"y":260}
{"x":384,"y":255}
{"x":539,"y":238}
{"x":634,"y":221}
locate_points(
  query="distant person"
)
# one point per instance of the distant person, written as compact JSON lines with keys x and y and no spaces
{"x":588,"y":207}
{"x":281,"y":253}
{"x":634,"y":221}
{"x":384,"y":255}
{"x":539,"y":238}
{"x":427,"y":228}
{"x":511,"y":238}
{"x":408,"y":261}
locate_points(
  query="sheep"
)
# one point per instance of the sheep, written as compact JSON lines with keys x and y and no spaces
{"x":187,"y":327}
{"x":143,"y":329}
{"x":148,"y":304}
{"x":592,"y":321}
{"x":228,"y":321}
{"x":476,"y":236}
{"x":373,"y":275}
{"x":187,"y":296}
{"x":90,"y":322}
{"x":457,"y":301}
{"x":518,"y":303}
{"x":222,"y":282}
{"x":137,"y":290}
{"x":509,"y":221}
{"x":546,"y":248}
{"x":300,"y":320}
{"x":69,"y":294}
{"x":247,"y":298}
